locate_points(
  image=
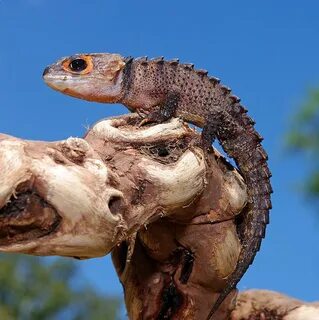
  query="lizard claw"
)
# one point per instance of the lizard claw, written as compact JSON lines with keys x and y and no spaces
{"x":144,"y":122}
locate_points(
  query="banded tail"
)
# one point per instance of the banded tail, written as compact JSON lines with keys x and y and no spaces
{"x":241,"y":142}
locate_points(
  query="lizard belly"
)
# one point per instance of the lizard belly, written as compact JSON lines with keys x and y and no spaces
{"x":197,"y":120}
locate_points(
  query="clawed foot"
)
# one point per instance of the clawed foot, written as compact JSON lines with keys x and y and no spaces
{"x":145,"y":121}
{"x":154,"y":117}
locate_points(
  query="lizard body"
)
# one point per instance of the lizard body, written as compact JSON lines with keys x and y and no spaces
{"x":162,"y":89}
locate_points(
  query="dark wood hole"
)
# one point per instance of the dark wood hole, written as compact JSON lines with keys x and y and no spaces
{"x":115,"y":204}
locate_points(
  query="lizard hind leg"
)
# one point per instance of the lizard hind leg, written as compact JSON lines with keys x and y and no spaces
{"x":163,"y":111}
{"x":208,"y":136}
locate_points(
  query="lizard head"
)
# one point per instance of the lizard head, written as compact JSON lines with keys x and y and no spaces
{"x":94,"y":77}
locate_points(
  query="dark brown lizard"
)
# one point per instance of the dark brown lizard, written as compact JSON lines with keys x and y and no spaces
{"x":159,"y":90}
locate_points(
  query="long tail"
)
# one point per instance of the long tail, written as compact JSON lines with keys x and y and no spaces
{"x":241,"y":142}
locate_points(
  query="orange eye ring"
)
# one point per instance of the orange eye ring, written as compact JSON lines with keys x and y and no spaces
{"x":78,"y":65}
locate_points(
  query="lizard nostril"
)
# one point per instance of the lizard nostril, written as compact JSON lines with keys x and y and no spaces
{"x":46,"y":71}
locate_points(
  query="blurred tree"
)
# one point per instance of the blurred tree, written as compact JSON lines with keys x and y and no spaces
{"x":37,"y":288}
{"x":304,"y":138}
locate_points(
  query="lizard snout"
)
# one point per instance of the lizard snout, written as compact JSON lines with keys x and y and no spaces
{"x":46,"y":71}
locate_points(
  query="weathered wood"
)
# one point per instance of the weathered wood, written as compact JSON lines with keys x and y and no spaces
{"x":149,"y":194}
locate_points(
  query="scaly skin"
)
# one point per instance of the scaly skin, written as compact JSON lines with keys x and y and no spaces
{"x":162,"y":89}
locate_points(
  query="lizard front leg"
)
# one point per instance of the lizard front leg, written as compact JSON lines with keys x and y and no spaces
{"x":163,"y":111}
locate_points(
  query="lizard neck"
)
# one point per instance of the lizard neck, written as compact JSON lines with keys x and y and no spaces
{"x":127,"y":85}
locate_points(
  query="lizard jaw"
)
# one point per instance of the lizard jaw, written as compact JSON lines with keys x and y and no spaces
{"x":89,"y":88}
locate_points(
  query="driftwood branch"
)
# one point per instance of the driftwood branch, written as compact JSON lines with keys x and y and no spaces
{"x":270,"y":305}
{"x":149,"y":195}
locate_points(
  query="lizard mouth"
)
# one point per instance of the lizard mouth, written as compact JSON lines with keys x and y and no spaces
{"x":67,"y":82}
{"x":26,"y":217}
{"x":52,"y":79}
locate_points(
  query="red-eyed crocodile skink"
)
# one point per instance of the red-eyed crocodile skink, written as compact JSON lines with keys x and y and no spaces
{"x":159,"y":90}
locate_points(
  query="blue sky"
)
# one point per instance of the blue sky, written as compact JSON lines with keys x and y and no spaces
{"x":266,"y":51}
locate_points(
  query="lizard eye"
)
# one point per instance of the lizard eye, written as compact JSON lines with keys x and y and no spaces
{"x":78,"y":65}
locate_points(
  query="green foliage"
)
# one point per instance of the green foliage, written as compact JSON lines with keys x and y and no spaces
{"x":304,"y":138}
{"x":34,"y":288}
